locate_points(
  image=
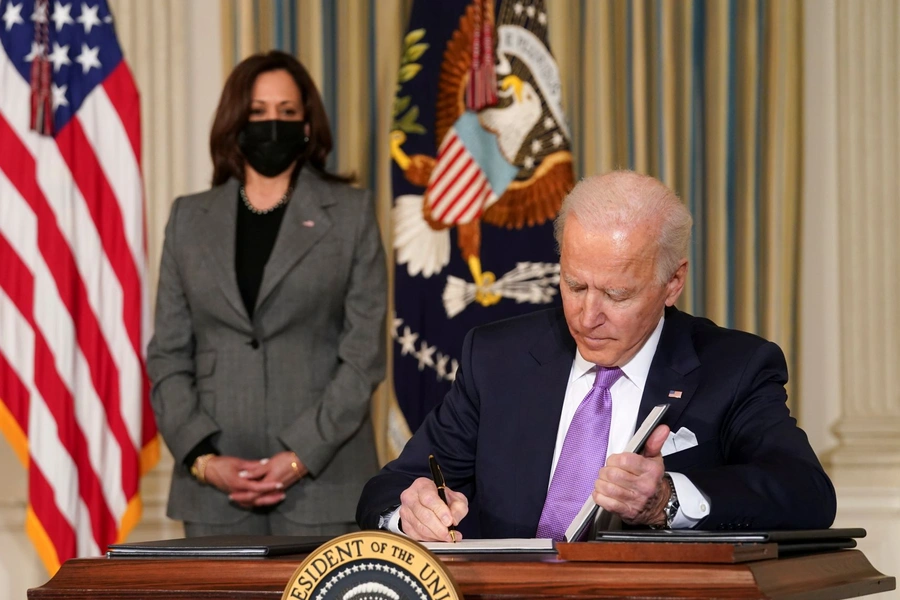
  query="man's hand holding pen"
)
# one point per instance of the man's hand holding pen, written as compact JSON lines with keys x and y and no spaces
{"x":438,"y":477}
{"x":425,"y":517}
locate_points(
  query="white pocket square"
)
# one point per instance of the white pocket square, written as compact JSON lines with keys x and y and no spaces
{"x":679,"y":440}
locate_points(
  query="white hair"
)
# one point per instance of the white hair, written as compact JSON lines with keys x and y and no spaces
{"x":625,"y":200}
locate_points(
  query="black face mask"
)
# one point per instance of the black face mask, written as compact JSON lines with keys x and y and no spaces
{"x":271,"y":146}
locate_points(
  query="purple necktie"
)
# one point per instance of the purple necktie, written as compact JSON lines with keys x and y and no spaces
{"x":583,"y":454}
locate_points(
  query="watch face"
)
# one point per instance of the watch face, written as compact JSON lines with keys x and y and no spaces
{"x":670,"y":515}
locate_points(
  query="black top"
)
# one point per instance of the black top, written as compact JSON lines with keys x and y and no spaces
{"x":255,"y":239}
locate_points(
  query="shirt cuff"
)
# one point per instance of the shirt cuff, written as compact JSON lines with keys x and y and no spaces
{"x":693,"y":505}
{"x":391,"y":521}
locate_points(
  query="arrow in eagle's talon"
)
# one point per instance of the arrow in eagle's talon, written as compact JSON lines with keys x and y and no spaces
{"x":484,"y":281}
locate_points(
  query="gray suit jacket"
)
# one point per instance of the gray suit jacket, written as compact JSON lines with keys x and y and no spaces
{"x":300,"y":375}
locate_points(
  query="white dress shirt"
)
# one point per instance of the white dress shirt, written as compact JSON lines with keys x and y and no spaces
{"x":626,"y":400}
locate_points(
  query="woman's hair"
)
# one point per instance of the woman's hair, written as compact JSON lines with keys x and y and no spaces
{"x":234,"y":112}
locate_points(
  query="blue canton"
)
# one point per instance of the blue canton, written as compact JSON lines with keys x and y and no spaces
{"x":82,"y":47}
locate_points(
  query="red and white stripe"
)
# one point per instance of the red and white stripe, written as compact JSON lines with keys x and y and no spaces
{"x":481,"y":88}
{"x":73,"y":315}
{"x":458,"y":190}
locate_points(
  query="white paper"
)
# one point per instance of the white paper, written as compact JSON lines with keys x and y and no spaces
{"x":495,"y":545}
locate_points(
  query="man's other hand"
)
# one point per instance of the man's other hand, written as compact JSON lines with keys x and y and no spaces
{"x":632,"y":485}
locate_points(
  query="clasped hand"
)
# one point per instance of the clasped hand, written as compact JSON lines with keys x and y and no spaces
{"x":255,"y":483}
{"x":632,"y":486}
{"x":425,"y":517}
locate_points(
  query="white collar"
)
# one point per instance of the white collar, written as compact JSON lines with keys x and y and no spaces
{"x":636,"y":369}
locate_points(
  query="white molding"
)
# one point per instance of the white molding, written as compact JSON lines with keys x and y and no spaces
{"x":868,"y":501}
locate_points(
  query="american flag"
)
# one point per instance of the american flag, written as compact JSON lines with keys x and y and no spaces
{"x":74,"y":397}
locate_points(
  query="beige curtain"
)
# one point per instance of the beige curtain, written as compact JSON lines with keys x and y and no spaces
{"x":704,"y":95}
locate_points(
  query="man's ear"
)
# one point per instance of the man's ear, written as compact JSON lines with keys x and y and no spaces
{"x":676,"y":283}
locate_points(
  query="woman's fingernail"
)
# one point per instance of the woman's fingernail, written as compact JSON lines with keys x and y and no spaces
{"x":279,"y":485}
{"x":243,"y":474}
{"x":264,"y":461}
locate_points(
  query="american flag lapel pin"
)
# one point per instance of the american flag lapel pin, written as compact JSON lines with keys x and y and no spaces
{"x":308,"y":223}
{"x":674,"y":393}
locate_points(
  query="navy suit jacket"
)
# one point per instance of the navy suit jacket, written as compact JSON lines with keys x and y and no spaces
{"x":494,"y":433}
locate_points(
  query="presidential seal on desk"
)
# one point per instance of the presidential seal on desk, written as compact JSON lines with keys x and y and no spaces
{"x":371,"y":565}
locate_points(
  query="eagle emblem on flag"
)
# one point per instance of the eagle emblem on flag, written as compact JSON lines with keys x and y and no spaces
{"x":503,"y":155}
{"x":481,"y":161}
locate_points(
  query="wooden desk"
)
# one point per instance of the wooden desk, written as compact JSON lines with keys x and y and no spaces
{"x":838,"y":574}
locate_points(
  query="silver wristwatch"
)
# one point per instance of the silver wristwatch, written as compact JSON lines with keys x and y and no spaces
{"x":671,"y":507}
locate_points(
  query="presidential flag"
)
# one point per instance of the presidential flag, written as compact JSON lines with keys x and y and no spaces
{"x":481,"y":162}
{"x":74,"y":397}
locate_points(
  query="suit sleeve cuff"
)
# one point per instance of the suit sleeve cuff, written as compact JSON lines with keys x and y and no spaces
{"x":204,"y":447}
{"x":193,"y":432}
{"x":693,"y":505}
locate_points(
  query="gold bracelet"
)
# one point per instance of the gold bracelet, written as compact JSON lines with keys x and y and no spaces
{"x":198,"y":469}
{"x":295,"y":464}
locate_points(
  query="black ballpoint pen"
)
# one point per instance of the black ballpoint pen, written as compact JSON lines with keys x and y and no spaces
{"x":438,"y":478}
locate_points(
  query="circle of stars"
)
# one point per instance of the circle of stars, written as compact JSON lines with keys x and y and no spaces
{"x":373,"y":567}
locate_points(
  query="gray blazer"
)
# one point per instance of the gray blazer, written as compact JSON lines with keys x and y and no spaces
{"x":299,"y":375}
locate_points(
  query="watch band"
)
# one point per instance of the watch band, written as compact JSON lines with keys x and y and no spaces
{"x":198,"y":469}
{"x":671,"y":507}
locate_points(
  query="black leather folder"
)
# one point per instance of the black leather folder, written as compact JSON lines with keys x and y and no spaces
{"x":789,"y":541}
{"x":219,"y":545}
